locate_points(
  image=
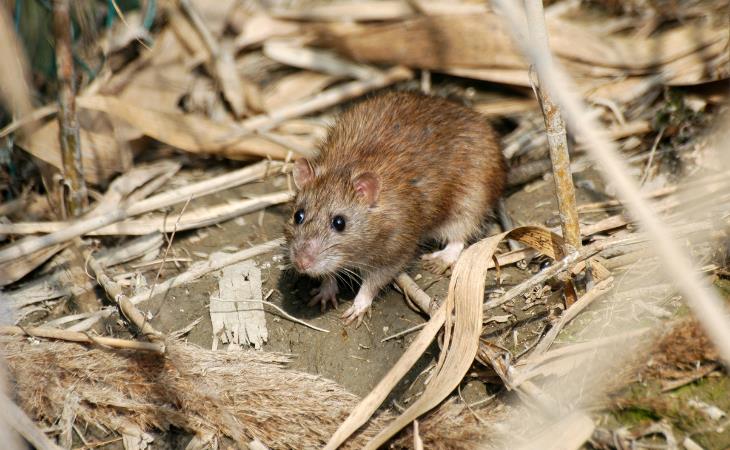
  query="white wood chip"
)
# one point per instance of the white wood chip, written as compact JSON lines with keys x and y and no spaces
{"x":236,"y":317}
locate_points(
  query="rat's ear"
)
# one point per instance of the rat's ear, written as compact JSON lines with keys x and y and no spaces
{"x":368,"y":185}
{"x":303,"y":172}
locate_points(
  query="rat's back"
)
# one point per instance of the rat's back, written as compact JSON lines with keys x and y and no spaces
{"x":436,"y":157}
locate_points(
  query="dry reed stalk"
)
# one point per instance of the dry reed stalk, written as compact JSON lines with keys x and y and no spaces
{"x":68,"y":122}
{"x":557,"y":144}
{"x":560,"y":266}
{"x":114,"y":292}
{"x":704,"y":302}
{"x":78,"y":228}
{"x":197,"y":218}
{"x":14,"y":89}
{"x":596,"y":292}
{"x":414,"y":293}
{"x":75,"y":336}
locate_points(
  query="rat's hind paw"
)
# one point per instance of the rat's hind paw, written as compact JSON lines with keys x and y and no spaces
{"x":436,"y":266}
{"x":325,"y":293}
{"x":439,"y":262}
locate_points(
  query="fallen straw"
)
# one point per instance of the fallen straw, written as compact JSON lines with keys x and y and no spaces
{"x":76,"y":336}
{"x":168,"y":198}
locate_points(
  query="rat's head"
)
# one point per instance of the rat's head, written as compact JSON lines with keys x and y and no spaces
{"x":332,"y":220}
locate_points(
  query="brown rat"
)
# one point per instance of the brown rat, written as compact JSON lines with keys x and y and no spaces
{"x":395,"y":170}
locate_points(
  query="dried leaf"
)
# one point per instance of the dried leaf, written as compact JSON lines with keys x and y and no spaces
{"x":294,"y":87}
{"x":100,"y":155}
{"x":16,"y":269}
{"x":187,"y":132}
{"x":317,"y":61}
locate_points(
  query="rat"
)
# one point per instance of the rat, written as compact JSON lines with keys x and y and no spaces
{"x":395,"y":170}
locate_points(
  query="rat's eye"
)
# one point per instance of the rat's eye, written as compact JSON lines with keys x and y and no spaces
{"x":338,"y":223}
{"x":299,"y":217}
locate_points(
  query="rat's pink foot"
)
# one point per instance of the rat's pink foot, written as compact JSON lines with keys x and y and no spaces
{"x":357,"y":311}
{"x":325,"y":293}
{"x":440,"y":261}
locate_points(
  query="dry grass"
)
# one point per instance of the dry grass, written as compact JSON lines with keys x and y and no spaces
{"x":242,"y":395}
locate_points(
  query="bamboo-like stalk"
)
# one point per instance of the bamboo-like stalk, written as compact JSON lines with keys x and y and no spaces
{"x":557,"y":142}
{"x":114,"y":292}
{"x":68,"y":122}
{"x":84,"y":338}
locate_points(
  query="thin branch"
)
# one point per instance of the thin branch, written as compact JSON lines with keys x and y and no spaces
{"x":283,"y":313}
{"x":68,"y":123}
{"x":85,"y":338}
{"x":557,"y":143}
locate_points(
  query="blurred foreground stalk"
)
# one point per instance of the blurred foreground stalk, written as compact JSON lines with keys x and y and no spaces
{"x":68,"y":123}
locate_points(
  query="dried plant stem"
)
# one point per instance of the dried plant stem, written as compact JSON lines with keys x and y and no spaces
{"x":415,"y":294}
{"x":702,"y":299}
{"x":560,"y":266}
{"x":81,"y":227}
{"x":75,"y":336}
{"x":197,"y":270}
{"x":68,"y":122}
{"x":284,"y":314}
{"x":597,"y":291}
{"x":114,"y":292}
{"x":557,"y":143}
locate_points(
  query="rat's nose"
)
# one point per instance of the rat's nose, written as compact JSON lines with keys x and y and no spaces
{"x":305,"y":257}
{"x":304,"y":261}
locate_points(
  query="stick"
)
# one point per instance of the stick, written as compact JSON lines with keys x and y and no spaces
{"x":284,"y":314}
{"x":404,"y":332}
{"x":701,"y":298}
{"x":75,"y":336}
{"x":68,"y":122}
{"x":215,"y":262}
{"x":415,"y":293}
{"x":557,"y":143}
{"x":114,"y":292}
{"x":559,"y":266}
{"x":74,"y":229}
{"x":597,"y":291}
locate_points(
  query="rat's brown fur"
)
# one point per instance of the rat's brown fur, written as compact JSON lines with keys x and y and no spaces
{"x":440,"y":169}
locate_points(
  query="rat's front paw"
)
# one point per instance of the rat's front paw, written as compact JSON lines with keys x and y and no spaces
{"x":357,"y":311}
{"x":325,"y":293}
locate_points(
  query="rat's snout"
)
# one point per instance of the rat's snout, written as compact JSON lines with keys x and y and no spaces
{"x":305,"y":255}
